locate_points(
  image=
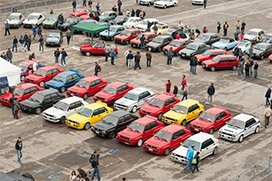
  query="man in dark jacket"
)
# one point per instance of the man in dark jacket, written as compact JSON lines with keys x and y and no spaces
{"x":97,"y":69}
{"x":94,"y":160}
{"x":14,"y":44}
{"x":211,"y":91}
{"x":137,"y":59}
{"x":11,"y":101}
{"x":142,"y":40}
{"x":267,"y":96}
{"x":9,"y":55}
{"x":193,"y":64}
{"x":170,"y":55}
{"x":119,"y":4}
{"x":7,"y":27}
{"x":56,"y":55}
{"x":63,"y":57}
{"x":148,"y":59}
{"x":19,"y":147}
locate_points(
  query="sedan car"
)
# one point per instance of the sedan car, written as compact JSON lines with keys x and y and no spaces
{"x":211,"y":120}
{"x":51,"y":21}
{"x":197,"y":2}
{"x":165,"y":3}
{"x":119,"y":20}
{"x":193,"y":49}
{"x":15,"y":20}
{"x":143,"y":25}
{"x":139,"y":131}
{"x":134,"y":99}
{"x":64,"y":80}
{"x":203,"y":143}
{"x":125,"y":36}
{"x":107,"y":16}
{"x":167,"y":139}
{"x":27,"y":67}
{"x":33,"y":19}
{"x":146,"y":2}
{"x":225,"y":43}
{"x":244,"y":45}
{"x":112,"y":32}
{"x":136,"y":42}
{"x":239,"y":127}
{"x":88,"y":116}
{"x":87,"y":87}
{"x":112,"y":92}
{"x":262,"y":50}
{"x":157,"y":44}
{"x":253,"y":34}
{"x":97,"y":48}
{"x":159,"y":105}
{"x":132,"y":22}
{"x":114,"y":122}
{"x":176,"y":46}
{"x":183,"y":112}
{"x":62,"y":109}
{"x":53,"y":38}
{"x":221,"y":62}
{"x":209,"y":55}
{"x":79,"y":12}
{"x":21,"y":92}
{"x":68,"y":23}
{"x":208,"y":38}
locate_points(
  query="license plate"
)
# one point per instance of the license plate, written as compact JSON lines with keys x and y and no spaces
{"x":149,"y":49}
{"x":133,"y":45}
{"x":126,"y":143}
{"x":96,"y":132}
{"x":196,"y":129}
{"x":150,"y":149}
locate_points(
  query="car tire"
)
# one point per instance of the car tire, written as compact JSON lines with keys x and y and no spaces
{"x":29,"y":176}
{"x":211,"y":131}
{"x":160,"y":117}
{"x":183,"y":123}
{"x":88,"y":54}
{"x":166,"y":152}
{"x":38,"y":110}
{"x":62,"y":89}
{"x":164,"y":6}
{"x":174,"y":4}
{"x":262,"y":57}
{"x":134,"y":109}
{"x":234,"y":68}
{"x":22,"y":78}
{"x":149,"y":4}
{"x":257,"y":129}
{"x":139,"y":142}
{"x":62,"y":120}
{"x":215,"y":151}
{"x":85,"y":96}
{"x":212,"y":69}
{"x":41,"y":84}
{"x":87,"y":126}
{"x":112,"y":135}
{"x":241,"y":138}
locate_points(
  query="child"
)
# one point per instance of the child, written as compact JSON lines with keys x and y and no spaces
{"x":168,"y":86}
{"x":195,"y":162}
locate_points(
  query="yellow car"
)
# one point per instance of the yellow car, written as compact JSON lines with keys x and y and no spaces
{"x":183,"y":112}
{"x":88,"y":115}
{"x":162,"y":28}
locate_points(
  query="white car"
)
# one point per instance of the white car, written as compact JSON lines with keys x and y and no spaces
{"x":147,"y":2}
{"x":34,"y":19}
{"x":143,"y":24}
{"x":63,"y":109}
{"x":239,"y":127}
{"x":253,"y":34}
{"x":15,"y":20}
{"x":134,"y":99}
{"x":132,"y":22}
{"x":244,"y":45}
{"x":204,"y":143}
{"x":165,"y":3}
{"x":197,"y":2}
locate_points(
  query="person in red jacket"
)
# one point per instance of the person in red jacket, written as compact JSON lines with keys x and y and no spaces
{"x":168,"y":86}
{"x":183,"y":82}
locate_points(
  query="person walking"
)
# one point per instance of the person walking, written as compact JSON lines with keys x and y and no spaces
{"x":39,"y":31}
{"x":132,"y":12}
{"x":63,"y":57}
{"x":251,"y":67}
{"x":112,"y":56}
{"x":84,"y":2}
{"x":97,"y":69}
{"x":119,"y":4}
{"x":195,"y":162}
{"x":205,"y":4}
{"x":267,"y":96}
{"x":74,"y":5}
{"x":94,"y":160}
{"x":210,"y":91}
{"x":142,"y":42}
{"x":56,"y":55}
{"x":175,"y":90}
{"x":22,"y":42}
{"x":155,"y":28}
{"x":129,"y":58}
{"x":170,"y":55}
{"x":9,"y":55}
{"x":255,"y":69}
{"x":243,"y":27}
{"x":97,"y":8}
{"x":247,"y":67}
{"x":19,"y":147}
{"x":225,"y":28}
{"x":16,"y":108}
{"x":41,"y":44}
{"x":185,"y":93}
{"x":28,"y":43}
{"x":68,"y":36}
{"x":107,"y":52}
{"x":34,"y":31}
{"x":193,"y":64}
{"x":189,"y":157}
{"x":148,"y":59}
{"x":25,"y":39}
{"x":14,"y":44}
{"x":183,"y":82}
{"x":137,"y":60}
{"x":168,"y":86}
{"x":267,"y":115}
{"x":218,"y":27}
{"x":7,"y":27}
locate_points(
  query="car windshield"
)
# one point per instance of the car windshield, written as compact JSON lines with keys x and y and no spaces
{"x":157,"y":103}
{"x":163,"y":135}
{"x":40,"y":72}
{"x":203,"y":37}
{"x":243,"y":43}
{"x":110,"y":89}
{"x":119,"y":18}
{"x":143,"y":23}
{"x":62,"y":106}
{"x":33,"y":17}
{"x":23,"y":66}
{"x":110,"y":120}
{"x":207,"y":53}
{"x":236,"y":123}
{"x":13,"y":17}
{"x":216,"y":59}
{"x":126,"y":33}
{"x":180,"y":109}
{"x":19,"y":91}
{"x":114,"y":28}
{"x":137,"y":127}
{"x":192,"y":47}
{"x":85,"y":112}
{"x":188,"y":143}
{"x":51,"y":18}
{"x":260,"y":47}
{"x":36,"y":98}
{"x":60,"y":78}
{"x":158,"y":40}
{"x":175,"y":43}
{"x":131,"y":96}
{"x":70,"y":20}
{"x":207,"y":116}
{"x":83,"y":83}
{"x":255,"y":33}
{"x":224,"y":41}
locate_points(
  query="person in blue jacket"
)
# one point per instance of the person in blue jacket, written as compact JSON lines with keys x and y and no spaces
{"x":189,"y":157}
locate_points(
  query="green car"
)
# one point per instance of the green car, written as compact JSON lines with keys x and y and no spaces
{"x":107,"y":16}
{"x":51,"y":21}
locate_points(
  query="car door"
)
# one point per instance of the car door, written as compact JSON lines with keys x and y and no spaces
{"x":167,"y":105}
{"x":223,"y":121}
{"x":222,"y":63}
{"x":47,"y":102}
{"x":177,"y":138}
{"x":73,"y":107}
{"x":207,"y":148}
{"x":148,"y":131}
{"x":33,"y":90}
{"x":96,"y":117}
{"x":98,"y":85}
{"x":27,"y":93}
{"x":143,"y":98}
{"x":55,"y":98}
{"x":190,"y":113}
{"x":249,"y":127}
{"x":94,"y":88}
{"x":121,"y":91}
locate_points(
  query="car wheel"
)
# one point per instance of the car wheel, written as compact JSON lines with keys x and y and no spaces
{"x":160,"y":117}
{"x":257,"y":129}
{"x":262,"y":57}
{"x":241,"y":138}
{"x":166,"y":152}
{"x":134,"y":109}
{"x":149,"y":4}
{"x":139,"y":142}
{"x":85,"y":96}
{"x":87,"y":126}
{"x":174,"y":4}
{"x":88,"y":54}
{"x":183,"y":122}
{"x":112,"y":135}
{"x":165,"y":7}
{"x":215,"y":151}
{"x":212,"y":69}
{"x":38,"y":110}
{"x":22,"y":78}
{"x":62,"y":89}
{"x":28,"y":175}
{"x":211,"y":131}
{"x":41,"y":84}
{"x":62,"y":119}
{"x":234,"y":68}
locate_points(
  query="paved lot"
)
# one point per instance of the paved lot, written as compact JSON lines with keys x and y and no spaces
{"x":51,"y":151}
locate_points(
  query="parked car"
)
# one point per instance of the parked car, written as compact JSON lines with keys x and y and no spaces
{"x":21,"y":92}
{"x":79,"y":12}
{"x":51,"y":21}
{"x":114,"y":122}
{"x":163,"y":28}
{"x":183,"y":112}
{"x":27,"y":67}
{"x":43,"y":75}
{"x":172,"y":31}
{"x":98,"y":48}
{"x":112,"y":32}
{"x":193,"y":49}
{"x":53,"y":38}
{"x":166,"y":139}
{"x":211,"y":120}
{"x":254,"y":34}
{"x":209,"y":55}
{"x":87,"y":87}
{"x":15,"y":175}
{"x":176,"y":46}
{"x":119,"y":20}
{"x":262,"y":50}
{"x":221,"y":62}
{"x":33,"y":19}
{"x":107,"y":16}
{"x":165,"y":3}
{"x":15,"y":20}
{"x":146,"y":2}
{"x":157,"y":44}
{"x":204,"y":143}
{"x":239,"y":127}
{"x":88,"y":116}
{"x":132,"y":22}
{"x":225,"y":43}
{"x":197,"y":2}
{"x":143,"y":25}
{"x":112,"y":92}
{"x":136,"y":42}
{"x":64,"y":80}
{"x":134,"y":99}
{"x":208,"y":38}
{"x":41,"y":100}
{"x":159,"y":105}
{"x":269,"y":38}
{"x":62,"y":109}
{"x":125,"y":36}
{"x":244,"y":45}
{"x":139,"y":131}
{"x":68,"y":23}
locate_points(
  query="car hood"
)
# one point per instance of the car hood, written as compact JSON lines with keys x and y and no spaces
{"x":126,"y":102}
{"x":54,"y":83}
{"x":186,"y":51}
{"x":104,"y":94}
{"x":130,"y":134}
{"x":55,"y":112}
{"x":201,"y":123}
{"x":156,"y":142}
{"x":141,"y":26}
{"x":243,"y":48}
{"x":49,"y":22}
{"x":30,"y":103}
{"x":174,"y":115}
{"x":34,"y":77}
{"x":13,"y":22}
{"x":209,"y":62}
{"x":65,"y":24}
{"x":78,"y":118}
{"x":167,"y":47}
{"x":49,"y":39}
{"x":77,"y":89}
{"x":159,"y":2}
{"x":33,"y":21}
{"x":231,"y":130}
{"x":201,"y":57}
{"x":249,"y":37}
{"x":219,"y":45}
{"x":153,"y":44}
{"x":181,"y":150}
{"x":102,"y":126}
{"x":107,"y":33}
{"x":151,"y":109}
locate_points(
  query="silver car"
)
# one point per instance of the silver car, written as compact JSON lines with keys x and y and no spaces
{"x":15,"y":20}
{"x":53,"y":38}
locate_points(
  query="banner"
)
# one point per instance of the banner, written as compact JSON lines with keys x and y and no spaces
{"x":3,"y":82}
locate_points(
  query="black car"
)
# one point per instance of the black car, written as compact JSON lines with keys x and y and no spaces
{"x":68,"y":23}
{"x":119,"y":20}
{"x":158,"y":43}
{"x":208,"y":38}
{"x":193,"y":49}
{"x":41,"y":100}
{"x":173,"y":31}
{"x":113,"y":123}
{"x":15,"y":175}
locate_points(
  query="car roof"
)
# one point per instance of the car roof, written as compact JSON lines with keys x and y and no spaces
{"x":209,"y":33}
{"x":163,"y":36}
{"x":163,"y":96}
{"x":255,"y":29}
{"x":53,"y":15}
{"x":226,"y":37}
{"x":119,"y":113}
{"x":134,"y":18}
{"x":172,"y":128}
{"x":150,"y":19}
{"x":95,"y":105}
{"x":47,"y":91}
{"x":197,"y":43}
{"x":225,"y":56}
{"x":181,"y":40}
{"x":117,"y":26}
{"x":145,"y":120}
{"x":216,"y":50}
{"x":91,"y":78}
{"x":138,"y":90}
{"x":54,"y":31}
{"x":18,"y":14}
{"x":243,"y":117}
{"x":116,"y":84}
{"x":26,"y":85}
{"x":35,"y":14}
{"x":265,"y":44}
{"x":188,"y":102}
{"x":148,"y":33}
{"x":48,"y":67}
{"x":72,"y":99}
{"x":67,"y":73}
{"x":215,"y":110}
{"x":201,"y":137}
{"x":108,"y":12}
{"x":132,"y":29}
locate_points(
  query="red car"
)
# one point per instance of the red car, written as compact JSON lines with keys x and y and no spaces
{"x":43,"y":75}
{"x":125,"y":36}
{"x":221,"y":62}
{"x":270,"y":58}
{"x":139,"y":131}
{"x":209,"y":55}
{"x":27,"y":67}
{"x":177,"y":45}
{"x":159,"y":105}
{"x":21,"y":92}
{"x":112,"y":92}
{"x":98,"y":48}
{"x":148,"y":38}
{"x":87,"y":87}
{"x":167,"y":139}
{"x":210,"y":120}
{"x":79,"y":12}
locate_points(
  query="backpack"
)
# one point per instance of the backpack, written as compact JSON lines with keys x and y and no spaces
{"x":194,"y":161}
{"x":93,"y":160}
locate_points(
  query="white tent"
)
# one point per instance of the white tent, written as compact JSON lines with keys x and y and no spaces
{"x":12,"y":72}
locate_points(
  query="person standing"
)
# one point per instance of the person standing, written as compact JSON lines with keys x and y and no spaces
{"x":41,"y":44}
{"x":7,"y":27}
{"x":28,"y":43}
{"x":251,"y":67}
{"x":250,"y":51}
{"x":14,"y":44}
{"x":74,"y":5}
{"x":97,"y":8}
{"x":193,"y":64}
{"x":155,"y":28}
{"x":63,"y":57}
{"x":137,"y":59}
{"x":119,"y":4}
{"x":11,"y":101}
{"x":107,"y":52}
{"x":218,"y":27}
{"x":22,"y":42}
{"x":238,"y":26}
{"x":175,"y":91}
{"x":68,"y":36}
{"x":168,"y":86}
{"x":243,"y":27}
{"x":84,"y":3}
{"x":97,"y":69}
{"x":94,"y":160}
{"x":112,"y":56}
{"x":39,"y":31}
{"x":195,"y":162}
{"x":205,"y":4}
{"x":148,"y":59}
{"x":189,"y":157}
{"x":210,"y":91}
{"x":247,"y":67}
{"x":129,"y":58}
{"x":25,"y":39}
{"x":16,"y":108}
{"x":9,"y":55}
{"x":34,"y":31}
{"x":185,"y":93}
{"x":170,"y":56}
{"x":267,"y":96}
{"x":225,"y":28}
{"x":132,"y":12}
{"x":56,"y":55}
{"x":267,"y":115}
{"x":142,"y":42}
{"x":255,"y":69}
{"x":19,"y":147}
{"x":183,"y":82}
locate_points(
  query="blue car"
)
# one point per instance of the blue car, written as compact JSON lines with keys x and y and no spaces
{"x":64,"y":80}
{"x":109,"y":34}
{"x":225,"y":43}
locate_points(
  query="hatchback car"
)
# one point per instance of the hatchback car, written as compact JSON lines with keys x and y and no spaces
{"x":208,"y":38}
{"x":98,"y":48}
{"x":143,"y":25}
{"x":221,"y":62}
{"x":157,"y":44}
{"x":27,"y":67}
{"x":176,"y":46}
{"x":125,"y":36}
{"x":107,"y":16}
{"x":173,"y":31}
{"x":53,"y":38}
{"x":165,"y":3}
{"x":68,"y":23}
{"x":33,"y":19}
{"x":163,"y":28}
{"x":209,"y":55}
{"x":112,"y":32}
{"x":119,"y":20}
{"x":244,"y":45}
{"x":79,"y":12}
{"x":132,"y":22}
{"x":166,"y":139}
{"x":254,"y":34}
{"x":193,"y":49}
{"x":262,"y":50}
{"x":225,"y":43}
{"x":15,"y":20}
{"x":136,"y":42}
{"x":51,"y":21}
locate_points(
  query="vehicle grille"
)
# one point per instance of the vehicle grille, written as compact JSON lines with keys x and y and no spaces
{"x":71,"y":121}
{"x":48,"y":115}
{"x":125,"y":138}
{"x":152,"y":147}
{"x":120,"y":106}
{"x":228,"y":134}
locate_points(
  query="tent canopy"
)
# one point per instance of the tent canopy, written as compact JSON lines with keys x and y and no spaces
{"x":91,"y":28}
{"x":12,"y":72}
